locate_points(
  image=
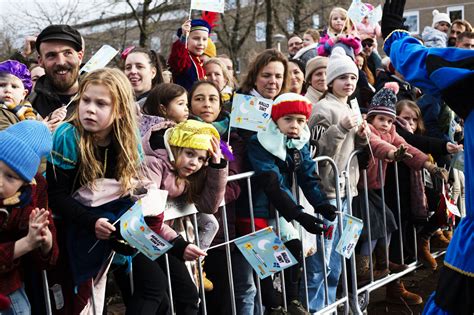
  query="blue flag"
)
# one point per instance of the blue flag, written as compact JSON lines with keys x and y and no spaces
{"x":137,"y":233}
{"x":265,"y":252}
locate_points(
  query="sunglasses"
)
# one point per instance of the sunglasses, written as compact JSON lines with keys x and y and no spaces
{"x":367,"y":44}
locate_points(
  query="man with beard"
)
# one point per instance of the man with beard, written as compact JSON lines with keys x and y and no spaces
{"x":458,"y":27}
{"x":60,"y":52}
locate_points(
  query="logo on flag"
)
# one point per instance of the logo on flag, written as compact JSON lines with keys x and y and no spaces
{"x":265,"y":252}
{"x":250,"y":112}
{"x":208,"y":5}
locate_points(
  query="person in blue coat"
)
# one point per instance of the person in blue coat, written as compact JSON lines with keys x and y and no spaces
{"x":448,"y":73}
{"x":281,"y":160}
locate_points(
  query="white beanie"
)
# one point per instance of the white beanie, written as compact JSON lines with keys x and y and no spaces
{"x":339,"y":63}
{"x":440,"y":17}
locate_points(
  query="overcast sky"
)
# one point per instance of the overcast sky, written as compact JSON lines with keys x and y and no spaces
{"x":13,"y":18}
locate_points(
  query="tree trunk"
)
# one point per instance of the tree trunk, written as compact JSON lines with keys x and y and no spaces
{"x":269,"y":27}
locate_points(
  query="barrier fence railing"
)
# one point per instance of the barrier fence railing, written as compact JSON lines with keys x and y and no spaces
{"x":354,"y":303}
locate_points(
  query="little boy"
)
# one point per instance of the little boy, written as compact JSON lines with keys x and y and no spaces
{"x":185,"y":59}
{"x":26,"y":225}
{"x":15,"y":84}
{"x":278,"y":155}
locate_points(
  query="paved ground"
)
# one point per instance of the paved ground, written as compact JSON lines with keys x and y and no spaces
{"x":422,"y":282}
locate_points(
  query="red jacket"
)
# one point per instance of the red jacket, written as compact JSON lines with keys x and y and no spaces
{"x":382,"y":144}
{"x":11,"y":270}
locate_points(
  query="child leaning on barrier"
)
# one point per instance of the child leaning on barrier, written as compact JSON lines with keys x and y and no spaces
{"x":26,"y":226}
{"x":334,"y":127}
{"x":186,"y":161}
{"x":387,"y":145}
{"x":277,"y":155}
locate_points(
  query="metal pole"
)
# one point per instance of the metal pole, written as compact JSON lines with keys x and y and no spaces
{"x":169,"y":282}
{"x":201,"y":278}
{"x":47,"y":298}
{"x":229,"y":260}
{"x":400,"y":232}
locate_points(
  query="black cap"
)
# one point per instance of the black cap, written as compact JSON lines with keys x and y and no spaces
{"x":60,"y":32}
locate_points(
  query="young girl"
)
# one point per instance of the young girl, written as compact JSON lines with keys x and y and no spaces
{"x":340,"y":31}
{"x":185,"y":58}
{"x":27,"y":231}
{"x":386,"y":145}
{"x":166,"y":100}
{"x":177,"y":160}
{"x":336,"y":134}
{"x":143,"y":69}
{"x":92,"y":174}
{"x":273,"y":154}
{"x":414,"y":205}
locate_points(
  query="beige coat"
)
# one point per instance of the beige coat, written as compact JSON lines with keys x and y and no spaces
{"x":335,"y":141}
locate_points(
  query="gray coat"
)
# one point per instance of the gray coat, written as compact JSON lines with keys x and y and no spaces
{"x":335,"y":141}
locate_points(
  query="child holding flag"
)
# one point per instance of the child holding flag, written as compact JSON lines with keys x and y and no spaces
{"x":185,"y":59}
{"x":277,"y":155}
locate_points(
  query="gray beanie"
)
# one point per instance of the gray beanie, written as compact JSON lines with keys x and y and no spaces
{"x":314,"y":64}
{"x":339,"y":63}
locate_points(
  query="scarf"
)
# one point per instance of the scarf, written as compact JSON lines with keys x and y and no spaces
{"x":277,"y":143}
{"x":19,"y":200}
{"x":418,"y":200}
{"x":24,"y":110}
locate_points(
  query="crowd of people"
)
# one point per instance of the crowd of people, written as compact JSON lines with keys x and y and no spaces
{"x":78,"y":150}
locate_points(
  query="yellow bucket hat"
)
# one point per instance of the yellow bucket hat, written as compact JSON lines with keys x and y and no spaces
{"x":193,"y":134}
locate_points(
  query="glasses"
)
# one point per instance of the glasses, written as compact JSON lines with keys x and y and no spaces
{"x":367,"y":44}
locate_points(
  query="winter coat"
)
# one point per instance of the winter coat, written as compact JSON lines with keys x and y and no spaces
{"x":271,"y":151}
{"x":7,"y":118}
{"x":381,"y":145}
{"x":15,"y":227}
{"x":427,"y":145}
{"x":333,"y":140}
{"x":45,"y":99}
{"x":162,"y":172}
{"x":186,"y":67}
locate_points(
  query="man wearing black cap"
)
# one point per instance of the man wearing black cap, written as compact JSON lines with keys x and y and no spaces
{"x":60,"y":52}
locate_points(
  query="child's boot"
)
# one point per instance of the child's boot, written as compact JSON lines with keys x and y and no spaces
{"x":448,"y":234}
{"x":363,"y":270}
{"x":424,"y":254}
{"x":397,"y":294}
{"x":295,"y":307}
{"x":439,"y":241}
{"x":381,"y":261}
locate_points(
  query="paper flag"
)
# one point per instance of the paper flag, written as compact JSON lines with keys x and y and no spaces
{"x":357,"y":11}
{"x":356,"y":109}
{"x":137,"y":233}
{"x":250,"y":112}
{"x":350,"y":235}
{"x":265,"y":252}
{"x":154,"y":201}
{"x":208,"y":5}
{"x":453,"y":209}
{"x":177,"y":208}
{"x":375,"y":15}
{"x":100,"y":59}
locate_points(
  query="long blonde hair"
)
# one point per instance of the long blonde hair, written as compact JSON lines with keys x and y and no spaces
{"x":124,"y":132}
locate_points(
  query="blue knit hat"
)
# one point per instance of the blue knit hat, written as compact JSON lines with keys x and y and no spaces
{"x":197,"y":25}
{"x":22,"y":146}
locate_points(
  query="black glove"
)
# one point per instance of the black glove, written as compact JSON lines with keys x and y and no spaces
{"x":392,"y":17}
{"x":179,"y":245}
{"x":327,"y":210}
{"x":311,"y":223}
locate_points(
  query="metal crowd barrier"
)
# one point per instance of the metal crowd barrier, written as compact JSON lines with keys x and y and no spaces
{"x":350,"y":302}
